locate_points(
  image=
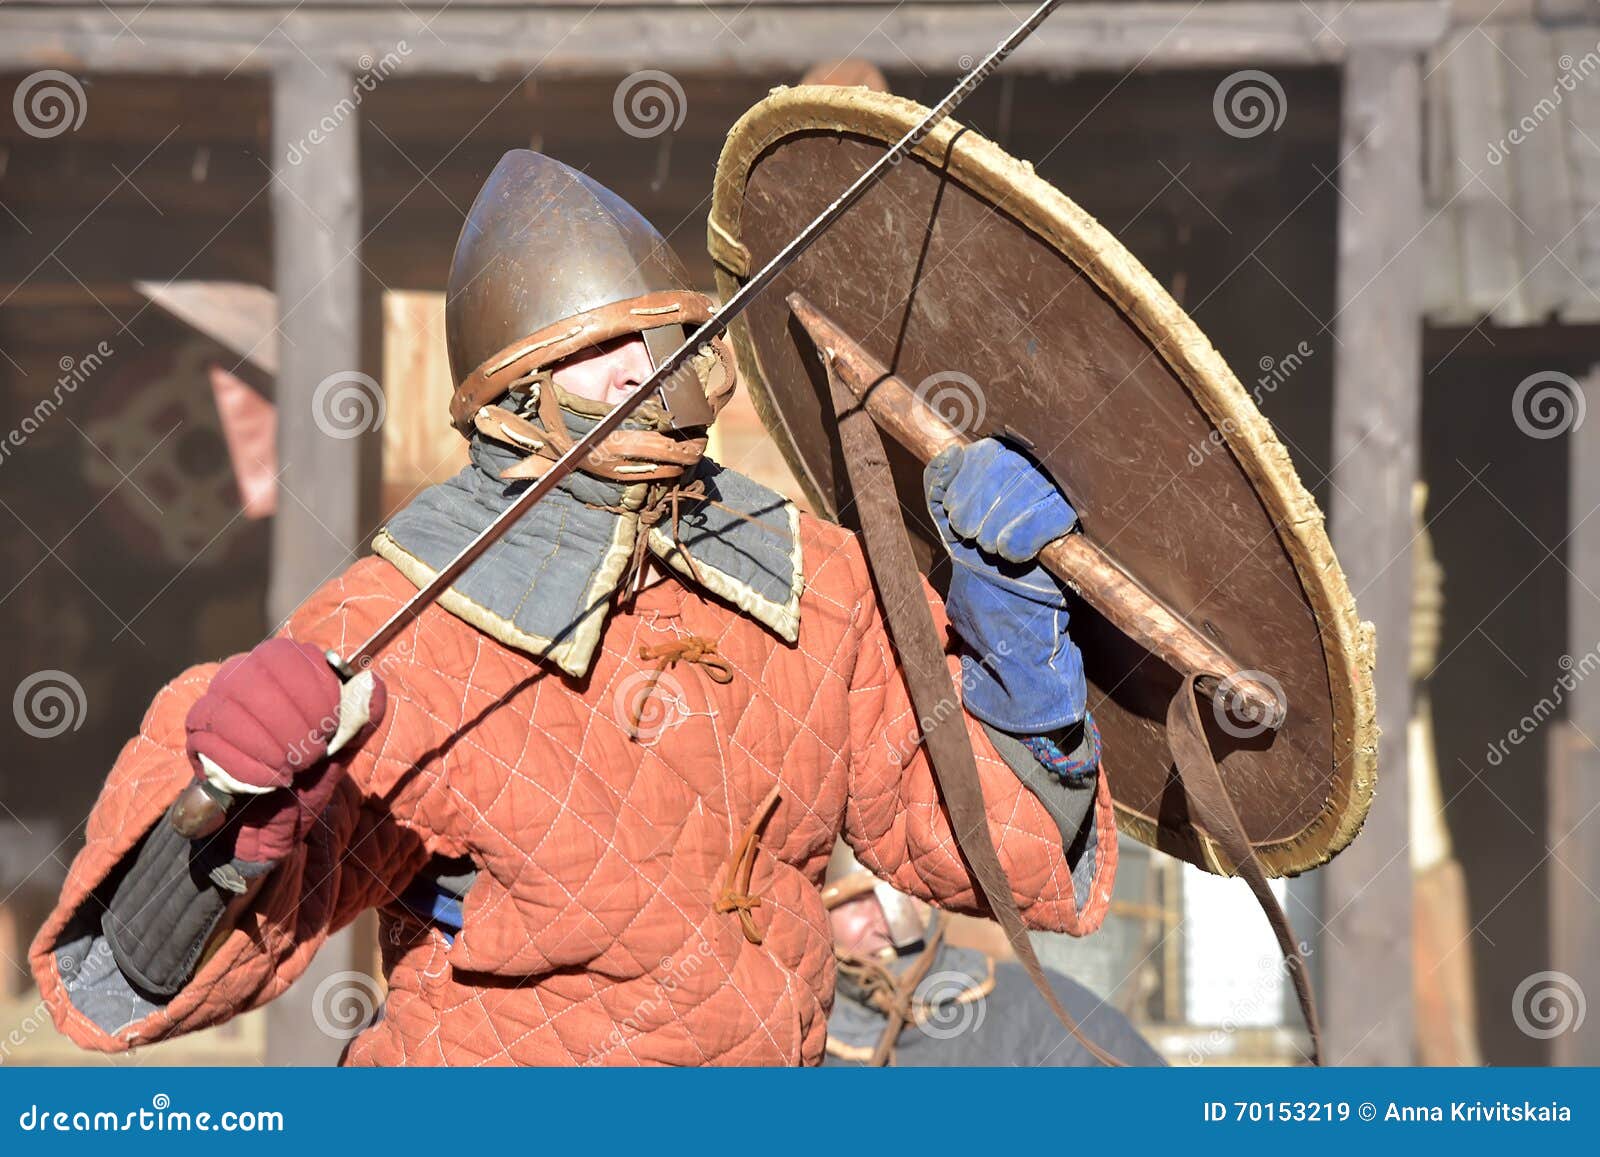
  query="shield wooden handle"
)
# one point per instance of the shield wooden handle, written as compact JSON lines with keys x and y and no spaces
{"x":921,"y":429}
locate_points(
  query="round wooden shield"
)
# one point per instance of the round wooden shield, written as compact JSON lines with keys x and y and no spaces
{"x":1015,"y":314}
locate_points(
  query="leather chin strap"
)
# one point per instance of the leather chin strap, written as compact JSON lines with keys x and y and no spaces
{"x":656,"y":454}
{"x":911,"y":626}
{"x":663,"y":453}
{"x":625,"y":456}
{"x":1211,"y":805}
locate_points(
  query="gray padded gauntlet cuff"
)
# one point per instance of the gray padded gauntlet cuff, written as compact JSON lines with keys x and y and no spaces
{"x":168,"y":905}
{"x":1071,"y":807}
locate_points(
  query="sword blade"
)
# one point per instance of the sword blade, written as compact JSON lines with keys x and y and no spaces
{"x":714,"y":328}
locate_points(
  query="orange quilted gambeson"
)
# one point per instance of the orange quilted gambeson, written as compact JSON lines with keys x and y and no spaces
{"x":593,"y":932}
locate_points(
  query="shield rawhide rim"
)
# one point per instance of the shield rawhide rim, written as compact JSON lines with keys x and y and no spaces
{"x":953,"y":157}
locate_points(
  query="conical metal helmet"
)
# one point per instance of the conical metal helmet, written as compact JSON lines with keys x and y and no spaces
{"x":549,"y":262}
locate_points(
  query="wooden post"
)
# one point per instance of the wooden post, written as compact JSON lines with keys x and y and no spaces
{"x":1366,"y":948}
{"x":1574,"y":795}
{"x":316,"y":215}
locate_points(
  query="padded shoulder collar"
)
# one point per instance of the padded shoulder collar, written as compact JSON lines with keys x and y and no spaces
{"x":546,"y":588}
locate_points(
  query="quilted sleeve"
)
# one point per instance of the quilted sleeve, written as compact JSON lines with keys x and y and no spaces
{"x":364,"y":850}
{"x":899,"y":828}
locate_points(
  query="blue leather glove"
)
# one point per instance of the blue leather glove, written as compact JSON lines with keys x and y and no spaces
{"x":996,"y":510}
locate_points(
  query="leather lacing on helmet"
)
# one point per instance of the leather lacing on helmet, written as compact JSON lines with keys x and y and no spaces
{"x":641,"y":453}
{"x":524,"y":360}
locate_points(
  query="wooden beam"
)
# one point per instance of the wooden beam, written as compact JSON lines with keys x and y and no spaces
{"x":1547,"y":245}
{"x":766,"y":39}
{"x":239,"y":317}
{"x":429,"y":7}
{"x":1365,"y":952}
{"x":1555,"y":343}
{"x":1573,"y":818}
{"x":1574,"y":790}
{"x":67,"y":294}
{"x":316,"y":223}
{"x":1582,"y":304}
{"x":1564,"y":11}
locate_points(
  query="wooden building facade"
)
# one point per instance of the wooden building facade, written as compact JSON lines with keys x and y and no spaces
{"x":329,"y":152}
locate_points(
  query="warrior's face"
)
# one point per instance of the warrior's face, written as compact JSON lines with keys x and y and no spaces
{"x":869,"y":918}
{"x":860,"y":927}
{"x":608,"y":372}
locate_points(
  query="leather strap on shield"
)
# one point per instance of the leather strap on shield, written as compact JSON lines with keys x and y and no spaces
{"x":1210,"y":804}
{"x":911,"y":626}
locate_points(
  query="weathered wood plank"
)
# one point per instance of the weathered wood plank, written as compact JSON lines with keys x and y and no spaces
{"x":1480,"y":192}
{"x":1444,"y":301}
{"x":126,"y":111}
{"x":115,"y":245}
{"x":1565,"y":11}
{"x":1323,"y":8}
{"x":1442,"y":289}
{"x":1366,"y":951}
{"x":239,"y":317}
{"x":1469,"y":13}
{"x":1579,"y":60}
{"x":316,"y":212}
{"x":492,"y":41}
{"x":1574,"y":795}
{"x":1538,"y":162}
{"x":418,"y":449}
{"x":1552,"y":343}
{"x":1574,"y":835}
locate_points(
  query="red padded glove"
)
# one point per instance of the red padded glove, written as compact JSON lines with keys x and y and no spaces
{"x":263,"y":730}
